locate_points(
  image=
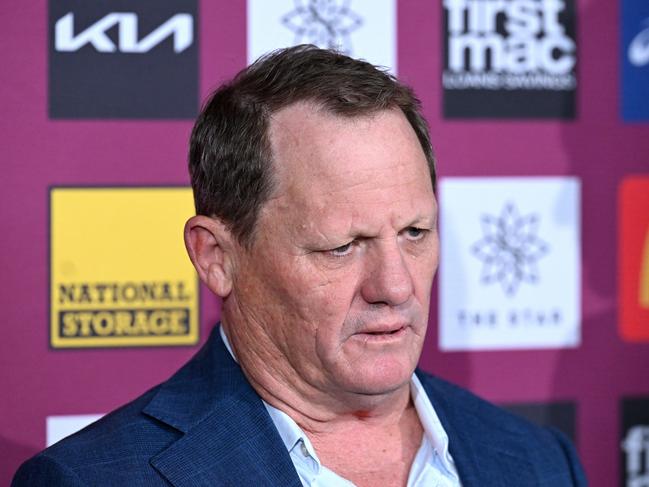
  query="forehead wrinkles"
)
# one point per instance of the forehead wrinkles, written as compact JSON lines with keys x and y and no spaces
{"x":365,"y":167}
{"x":324,"y":153}
{"x":303,"y":136}
{"x":332,"y":215}
{"x":349,"y":195}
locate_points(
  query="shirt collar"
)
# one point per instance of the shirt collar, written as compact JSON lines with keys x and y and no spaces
{"x":226,"y":342}
{"x":294,"y":439}
{"x":433,"y":429}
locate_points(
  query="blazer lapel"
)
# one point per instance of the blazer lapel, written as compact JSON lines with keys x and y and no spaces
{"x":229,"y":438}
{"x":484,"y":451}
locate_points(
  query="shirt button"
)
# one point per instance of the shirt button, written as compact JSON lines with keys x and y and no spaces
{"x":305,"y":452}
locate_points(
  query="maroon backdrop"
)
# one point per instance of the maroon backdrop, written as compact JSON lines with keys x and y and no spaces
{"x":597,"y":147}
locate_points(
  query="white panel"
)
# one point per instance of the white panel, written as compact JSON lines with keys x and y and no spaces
{"x":510,"y":263}
{"x":365,"y":29}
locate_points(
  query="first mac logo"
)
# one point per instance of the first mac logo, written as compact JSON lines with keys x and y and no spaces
{"x":120,"y":59}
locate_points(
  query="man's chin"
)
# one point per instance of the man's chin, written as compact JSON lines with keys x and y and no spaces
{"x":382,"y":378}
{"x":382,"y":364}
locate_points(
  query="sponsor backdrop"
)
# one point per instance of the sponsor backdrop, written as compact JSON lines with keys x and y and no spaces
{"x":539,"y":114}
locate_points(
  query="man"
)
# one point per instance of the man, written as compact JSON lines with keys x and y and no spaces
{"x":314,"y":183}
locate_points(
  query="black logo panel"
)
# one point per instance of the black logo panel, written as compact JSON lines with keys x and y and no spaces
{"x":634,"y":442}
{"x":560,"y":415}
{"x":514,"y":59}
{"x":123,"y":59}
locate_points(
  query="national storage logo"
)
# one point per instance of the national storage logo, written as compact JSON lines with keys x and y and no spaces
{"x":633,"y":255}
{"x":509,"y":59}
{"x":123,"y":59}
{"x":119,"y":273}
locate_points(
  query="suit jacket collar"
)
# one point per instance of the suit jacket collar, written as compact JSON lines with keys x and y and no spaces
{"x":486,"y":451}
{"x":229,"y":438}
{"x":210,"y":391}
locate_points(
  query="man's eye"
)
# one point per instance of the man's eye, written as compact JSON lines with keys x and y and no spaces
{"x":342,"y":251}
{"x":414,"y":233}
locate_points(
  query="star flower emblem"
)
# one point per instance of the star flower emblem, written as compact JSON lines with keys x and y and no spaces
{"x":509,"y":249}
{"x":325,"y":23}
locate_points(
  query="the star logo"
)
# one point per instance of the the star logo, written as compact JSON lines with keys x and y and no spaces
{"x":325,"y":23}
{"x":509,"y":249}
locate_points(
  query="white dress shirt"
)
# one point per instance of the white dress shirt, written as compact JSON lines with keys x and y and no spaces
{"x":433,"y":465}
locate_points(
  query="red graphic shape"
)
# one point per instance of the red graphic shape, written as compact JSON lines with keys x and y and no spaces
{"x":633,"y":258}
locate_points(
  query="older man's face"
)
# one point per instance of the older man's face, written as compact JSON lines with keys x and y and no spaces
{"x":334,"y":293}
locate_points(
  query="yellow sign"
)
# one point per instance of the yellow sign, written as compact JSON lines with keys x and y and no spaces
{"x":119,"y":273}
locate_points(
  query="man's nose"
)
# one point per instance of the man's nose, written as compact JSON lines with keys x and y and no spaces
{"x":387,"y":277}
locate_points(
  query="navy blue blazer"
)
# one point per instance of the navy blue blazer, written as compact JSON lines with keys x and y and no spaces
{"x":207,"y":426}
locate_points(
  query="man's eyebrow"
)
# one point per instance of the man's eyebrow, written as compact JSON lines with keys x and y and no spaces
{"x":427,"y":220}
{"x":422,"y":220}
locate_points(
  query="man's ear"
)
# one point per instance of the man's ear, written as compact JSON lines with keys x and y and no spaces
{"x":209,"y":244}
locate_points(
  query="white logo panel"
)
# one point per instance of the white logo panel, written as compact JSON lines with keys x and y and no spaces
{"x":363,"y":29}
{"x":510,"y":263}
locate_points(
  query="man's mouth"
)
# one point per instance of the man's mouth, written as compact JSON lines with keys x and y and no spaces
{"x":384,"y":332}
{"x":387,"y":332}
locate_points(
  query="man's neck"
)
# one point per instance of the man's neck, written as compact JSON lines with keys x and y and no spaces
{"x":378,"y":453}
{"x":316,"y":411}
{"x":356,"y":437}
